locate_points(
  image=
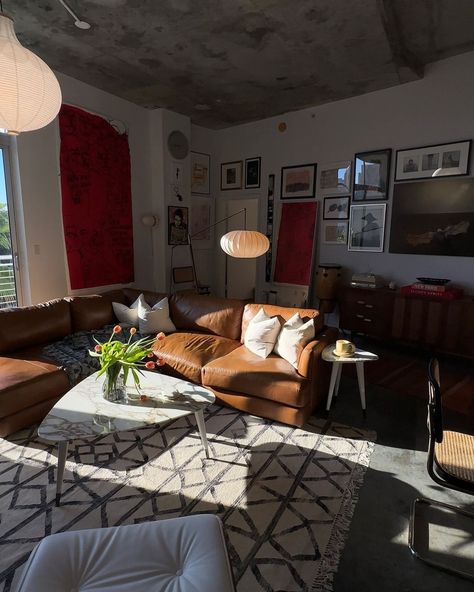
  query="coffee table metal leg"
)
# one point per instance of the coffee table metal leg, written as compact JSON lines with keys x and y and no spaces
{"x":361,"y":381}
{"x":202,"y":430}
{"x":63,"y":446}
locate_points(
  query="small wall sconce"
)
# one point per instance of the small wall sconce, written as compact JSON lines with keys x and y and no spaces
{"x":150,"y":220}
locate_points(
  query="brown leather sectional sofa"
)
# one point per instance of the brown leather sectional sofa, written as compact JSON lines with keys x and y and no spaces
{"x":206,"y":348}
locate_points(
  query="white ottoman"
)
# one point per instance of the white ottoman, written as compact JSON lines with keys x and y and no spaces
{"x":178,"y":555}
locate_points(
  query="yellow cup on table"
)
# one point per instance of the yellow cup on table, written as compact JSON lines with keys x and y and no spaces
{"x":344,"y":348}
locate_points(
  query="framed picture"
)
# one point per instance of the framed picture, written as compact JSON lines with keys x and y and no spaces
{"x":200,"y":220}
{"x":231,"y":175}
{"x":433,"y":218}
{"x":367,"y":227}
{"x":335,"y":233}
{"x":336,"y":208}
{"x":371,"y":175}
{"x":335,"y":178}
{"x":252,"y":173}
{"x":200,"y":168}
{"x":177,"y":225}
{"x":444,"y":160}
{"x":298,"y":181}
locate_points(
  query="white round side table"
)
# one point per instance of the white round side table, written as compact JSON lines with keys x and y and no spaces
{"x":358,"y":358}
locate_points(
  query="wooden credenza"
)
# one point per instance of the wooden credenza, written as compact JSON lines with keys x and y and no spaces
{"x":438,"y":325}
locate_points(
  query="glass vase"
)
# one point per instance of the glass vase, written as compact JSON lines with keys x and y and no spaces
{"x":113,"y":387}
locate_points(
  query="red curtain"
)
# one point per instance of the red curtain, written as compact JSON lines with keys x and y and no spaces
{"x":96,"y":200}
{"x":295,"y":244}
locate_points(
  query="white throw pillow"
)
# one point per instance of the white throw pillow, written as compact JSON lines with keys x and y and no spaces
{"x":127,"y":314}
{"x":154,"y":319}
{"x":293,"y":337}
{"x":261,"y":334}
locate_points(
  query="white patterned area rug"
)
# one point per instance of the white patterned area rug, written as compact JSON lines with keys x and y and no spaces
{"x":285,"y":495}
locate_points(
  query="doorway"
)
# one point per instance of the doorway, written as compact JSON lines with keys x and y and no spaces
{"x":10,"y":294}
{"x":241,"y":274}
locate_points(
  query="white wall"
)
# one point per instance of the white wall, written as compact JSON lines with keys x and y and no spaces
{"x":436,"y":109}
{"x":38,"y":154}
{"x":204,"y":140}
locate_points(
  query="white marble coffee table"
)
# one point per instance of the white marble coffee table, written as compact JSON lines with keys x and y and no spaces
{"x":358,"y":358}
{"x":84,"y":413}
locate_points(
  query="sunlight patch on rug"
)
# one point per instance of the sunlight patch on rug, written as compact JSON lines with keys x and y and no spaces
{"x":285,"y":495}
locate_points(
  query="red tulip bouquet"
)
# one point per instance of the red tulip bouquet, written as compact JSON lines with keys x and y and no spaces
{"x":120,"y":358}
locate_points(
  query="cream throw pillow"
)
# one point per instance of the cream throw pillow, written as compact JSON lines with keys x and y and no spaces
{"x":293,"y":337}
{"x":261,"y":334}
{"x":154,"y":319}
{"x":128,"y":314}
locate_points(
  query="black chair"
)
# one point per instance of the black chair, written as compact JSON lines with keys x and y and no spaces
{"x":450,"y":464}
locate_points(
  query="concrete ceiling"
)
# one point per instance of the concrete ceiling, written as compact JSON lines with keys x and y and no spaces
{"x":224,"y":62}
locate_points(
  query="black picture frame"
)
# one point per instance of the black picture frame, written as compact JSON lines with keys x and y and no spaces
{"x":252,"y":172}
{"x":302,"y":188}
{"x":337,"y":202}
{"x":231,"y":175}
{"x":428,"y":162}
{"x":374,"y":184}
{"x":178,"y":234}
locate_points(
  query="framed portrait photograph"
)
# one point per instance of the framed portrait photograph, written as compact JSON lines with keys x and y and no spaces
{"x":298,"y":181}
{"x":200,"y":170}
{"x":336,"y":208}
{"x":335,"y":178}
{"x":231,"y":175}
{"x":433,"y":218}
{"x":371,"y":175}
{"x":178,"y":225}
{"x":367,"y":227}
{"x":335,"y":233}
{"x":426,"y":162}
{"x":252,"y":173}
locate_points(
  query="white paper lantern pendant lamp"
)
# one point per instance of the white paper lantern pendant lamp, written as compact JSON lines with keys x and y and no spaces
{"x":30,"y":96}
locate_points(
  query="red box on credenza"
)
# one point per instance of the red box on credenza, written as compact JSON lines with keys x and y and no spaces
{"x":447,"y":294}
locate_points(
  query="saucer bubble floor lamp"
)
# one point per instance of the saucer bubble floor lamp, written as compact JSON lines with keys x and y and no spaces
{"x":242,"y":244}
{"x":30,"y":96}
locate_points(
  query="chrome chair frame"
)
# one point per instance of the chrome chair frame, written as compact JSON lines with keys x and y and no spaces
{"x":436,"y":472}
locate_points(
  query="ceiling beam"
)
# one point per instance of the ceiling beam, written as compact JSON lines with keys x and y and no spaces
{"x":408,"y":66}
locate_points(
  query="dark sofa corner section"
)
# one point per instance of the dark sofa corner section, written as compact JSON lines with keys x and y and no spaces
{"x":43,"y":348}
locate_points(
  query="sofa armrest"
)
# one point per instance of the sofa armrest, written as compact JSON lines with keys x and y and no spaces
{"x":313,"y":350}
{"x":312,"y":366}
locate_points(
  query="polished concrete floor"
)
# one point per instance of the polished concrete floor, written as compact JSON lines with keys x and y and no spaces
{"x":376,"y":556}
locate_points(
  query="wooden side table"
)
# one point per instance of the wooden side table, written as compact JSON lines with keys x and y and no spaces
{"x":358,"y":358}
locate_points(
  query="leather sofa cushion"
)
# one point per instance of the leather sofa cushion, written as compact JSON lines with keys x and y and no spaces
{"x":219,"y":316}
{"x":90,"y":312}
{"x":27,"y":382}
{"x":283,"y":313}
{"x":186,"y":353}
{"x":33,"y":325}
{"x":273,"y":378}
{"x":176,"y":555}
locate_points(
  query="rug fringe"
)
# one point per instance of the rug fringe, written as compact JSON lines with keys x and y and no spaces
{"x":324,"y":579}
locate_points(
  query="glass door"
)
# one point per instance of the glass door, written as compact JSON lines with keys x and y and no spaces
{"x":9,"y":276}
